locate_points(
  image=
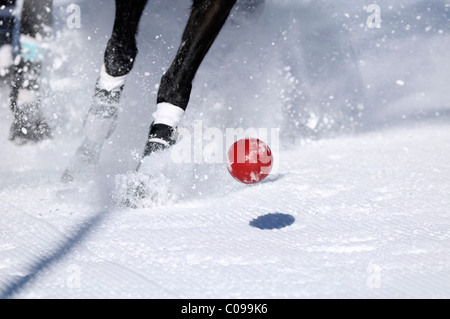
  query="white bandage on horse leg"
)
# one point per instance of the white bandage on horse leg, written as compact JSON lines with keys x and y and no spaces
{"x":110,"y":83}
{"x":168,"y":114}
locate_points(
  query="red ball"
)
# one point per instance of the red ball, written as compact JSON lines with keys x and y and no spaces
{"x":249,"y":160}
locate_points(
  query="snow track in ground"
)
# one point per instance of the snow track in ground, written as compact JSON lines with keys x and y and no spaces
{"x":371,"y":220}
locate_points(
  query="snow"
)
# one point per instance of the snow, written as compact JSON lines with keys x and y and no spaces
{"x":358,"y":207}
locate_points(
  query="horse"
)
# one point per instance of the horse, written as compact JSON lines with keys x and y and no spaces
{"x":207,"y":18}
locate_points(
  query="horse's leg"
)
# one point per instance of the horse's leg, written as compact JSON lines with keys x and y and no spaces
{"x":121,"y":49}
{"x":7,"y":22}
{"x":119,"y":58}
{"x":205,"y":22}
{"x":35,"y":28}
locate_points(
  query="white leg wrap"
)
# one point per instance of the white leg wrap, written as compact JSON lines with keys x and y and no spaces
{"x":168,"y":114}
{"x":110,"y":83}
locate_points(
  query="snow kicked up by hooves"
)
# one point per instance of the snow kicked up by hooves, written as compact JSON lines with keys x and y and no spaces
{"x":359,"y":207}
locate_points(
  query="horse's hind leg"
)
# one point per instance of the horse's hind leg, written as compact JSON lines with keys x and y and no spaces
{"x":205,"y":22}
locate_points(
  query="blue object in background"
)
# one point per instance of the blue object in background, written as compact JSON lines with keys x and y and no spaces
{"x":10,"y":29}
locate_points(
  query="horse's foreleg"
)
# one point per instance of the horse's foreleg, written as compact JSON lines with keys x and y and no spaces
{"x":120,"y":54}
{"x":119,"y":58}
{"x":206,"y":21}
{"x":121,"y":50}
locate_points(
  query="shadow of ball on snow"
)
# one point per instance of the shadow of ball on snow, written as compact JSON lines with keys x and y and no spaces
{"x":273,"y":221}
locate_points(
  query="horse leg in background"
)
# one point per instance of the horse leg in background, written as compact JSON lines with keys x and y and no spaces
{"x":101,"y":119}
{"x":29,"y":124}
{"x":206,"y":20}
{"x":7,"y":23}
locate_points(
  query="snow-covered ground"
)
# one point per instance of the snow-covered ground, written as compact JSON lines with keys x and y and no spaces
{"x":359,"y":206}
